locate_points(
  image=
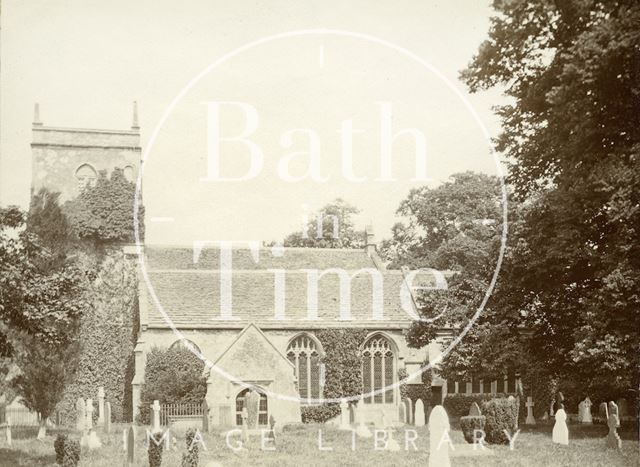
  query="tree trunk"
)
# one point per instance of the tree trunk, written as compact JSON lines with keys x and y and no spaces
{"x":42,"y":431}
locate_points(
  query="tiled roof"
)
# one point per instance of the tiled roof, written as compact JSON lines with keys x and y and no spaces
{"x":190,"y":294}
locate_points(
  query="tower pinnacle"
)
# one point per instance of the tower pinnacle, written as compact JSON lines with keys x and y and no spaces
{"x":135,"y":125}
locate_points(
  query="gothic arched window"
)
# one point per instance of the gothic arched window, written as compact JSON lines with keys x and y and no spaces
{"x":128,"y":173}
{"x":86,"y":174}
{"x":378,"y":370}
{"x":305,"y":352}
{"x":182,"y":343}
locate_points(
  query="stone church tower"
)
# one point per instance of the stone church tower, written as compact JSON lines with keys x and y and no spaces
{"x":65,"y":159}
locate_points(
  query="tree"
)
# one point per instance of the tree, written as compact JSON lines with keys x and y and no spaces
{"x":336,"y":229}
{"x":40,"y":303}
{"x":567,"y":300}
{"x":104,"y":212}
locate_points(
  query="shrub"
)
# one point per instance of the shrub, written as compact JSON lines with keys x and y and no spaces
{"x":501,"y":415}
{"x":190,"y":458}
{"x":319,"y":413}
{"x":154,"y":450}
{"x":469,"y":423}
{"x":71,"y":455}
{"x":172,"y":376}
{"x":58,"y":445}
{"x":457,"y":405}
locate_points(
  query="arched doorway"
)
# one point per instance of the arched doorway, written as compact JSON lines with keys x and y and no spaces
{"x":263,"y":408}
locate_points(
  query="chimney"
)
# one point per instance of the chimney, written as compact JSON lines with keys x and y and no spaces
{"x":370,"y":240}
{"x":36,"y":115}
{"x":134,"y":124}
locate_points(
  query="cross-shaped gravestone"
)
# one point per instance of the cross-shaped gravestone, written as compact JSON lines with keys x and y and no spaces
{"x":100,"y":405}
{"x":8,"y":432}
{"x":107,"y":417}
{"x":530,"y":420}
{"x":271,"y":435}
{"x":205,"y":416}
{"x":409,"y":406}
{"x":613,"y":422}
{"x":155,"y":408}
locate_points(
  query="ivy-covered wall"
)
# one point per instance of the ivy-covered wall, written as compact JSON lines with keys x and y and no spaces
{"x":108,"y":333}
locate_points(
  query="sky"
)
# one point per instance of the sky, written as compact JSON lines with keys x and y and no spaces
{"x":86,"y":61}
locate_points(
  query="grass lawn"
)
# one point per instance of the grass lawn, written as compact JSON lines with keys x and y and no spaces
{"x":299,"y":446}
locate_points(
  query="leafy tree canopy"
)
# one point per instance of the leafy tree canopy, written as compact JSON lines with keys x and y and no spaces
{"x":331,"y":227}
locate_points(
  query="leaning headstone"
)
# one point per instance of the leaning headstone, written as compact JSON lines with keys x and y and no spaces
{"x":438,"y":431}
{"x":402,"y":414}
{"x":344,"y":415}
{"x":80,"y":414}
{"x":100,"y":405}
{"x":560,"y":434}
{"x":474,"y":410}
{"x":107,"y":417}
{"x":409,"y":411}
{"x":613,"y":422}
{"x":155,"y":418}
{"x":419,"y":417}
{"x":530,"y":420}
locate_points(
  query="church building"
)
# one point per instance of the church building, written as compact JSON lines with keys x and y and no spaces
{"x":256,"y":322}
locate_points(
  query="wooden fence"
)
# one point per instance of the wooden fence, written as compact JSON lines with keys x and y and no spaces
{"x":172,"y":412}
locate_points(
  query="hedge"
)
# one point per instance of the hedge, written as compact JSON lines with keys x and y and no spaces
{"x":172,"y":376}
{"x":319,"y":413}
{"x":501,"y":415}
{"x":457,"y":405}
{"x":470,"y":423}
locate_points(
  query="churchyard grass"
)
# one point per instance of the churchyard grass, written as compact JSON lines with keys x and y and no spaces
{"x":299,"y":446}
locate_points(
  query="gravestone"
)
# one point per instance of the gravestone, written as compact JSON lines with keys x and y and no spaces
{"x":88,"y":419}
{"x":474,"y":410}
{"x":252,"y":403}
{"x":155,"y":416}
{"x":623,"y":408}
{"x":560,"y":434}
{"x":402,"y":414}
{"x":107,"y":417}
{"x":530,"y":420}
{"x":438,"y":430}
{"x":419,"y":417}
{"x":344,"y":415}
{"x":603,"y":413}
{"x":409,"y":410}
{"x":80,"y":414}
{"x":584,"y":411}
{"x":205,"y":416}
{"x":131,"y":441}
{"x":100,"y":405}
{"x":613,"y":422}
